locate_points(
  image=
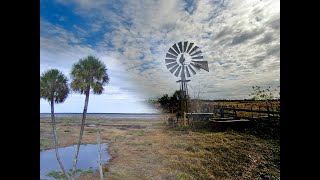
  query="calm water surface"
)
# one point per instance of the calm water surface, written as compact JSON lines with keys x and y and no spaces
{"x":105,"y":115}
{"x":88,"y":157}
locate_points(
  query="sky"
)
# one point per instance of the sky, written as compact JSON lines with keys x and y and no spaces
{"x":239,"y":39}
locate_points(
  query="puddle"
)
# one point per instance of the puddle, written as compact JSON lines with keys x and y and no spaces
{"x":88,"y":157}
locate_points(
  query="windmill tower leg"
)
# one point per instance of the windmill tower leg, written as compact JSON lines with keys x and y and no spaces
{"x":183,"y":100}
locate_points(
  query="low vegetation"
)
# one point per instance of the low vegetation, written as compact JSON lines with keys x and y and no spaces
{"x":222,"y":155}
{"x":150,"y":149}
{"x":61,"y":175}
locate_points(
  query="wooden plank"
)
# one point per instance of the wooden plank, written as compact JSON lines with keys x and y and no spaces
{"x":99,"y":154}
{"x":227,"y":113}
{"x":249,"y":110}
{"x":226,"y":121}
{"x":222,"y":118}
{"x":200,"y":113}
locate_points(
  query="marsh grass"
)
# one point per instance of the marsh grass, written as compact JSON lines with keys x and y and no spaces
{"x":45,"y":143}
{"x":225,"y":155}
{"x":60,"y":175}
{"x":161,"y":152}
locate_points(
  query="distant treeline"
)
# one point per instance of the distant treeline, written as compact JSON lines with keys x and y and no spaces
{"x":235,"y":100}
{"x":170,"y":104}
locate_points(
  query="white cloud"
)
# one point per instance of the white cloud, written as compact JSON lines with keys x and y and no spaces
{"x":239,"y":39}
{"x":246,"y":44}
{"x":57,"y":52}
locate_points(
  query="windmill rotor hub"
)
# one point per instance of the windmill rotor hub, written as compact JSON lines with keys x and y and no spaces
{"x":184,"y":59}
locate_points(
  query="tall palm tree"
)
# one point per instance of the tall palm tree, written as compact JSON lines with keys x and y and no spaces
{"x":89,"y":73}
{"x":54,"y":88}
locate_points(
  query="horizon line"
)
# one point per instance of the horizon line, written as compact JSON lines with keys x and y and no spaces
{"x":96,"y":113}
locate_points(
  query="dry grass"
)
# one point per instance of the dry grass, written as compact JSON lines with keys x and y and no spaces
{"x":222,"y":155}
{"x":202,"y":106}
{"x":148,"y":149}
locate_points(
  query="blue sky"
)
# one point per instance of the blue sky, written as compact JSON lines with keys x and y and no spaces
{"x":239,"y":39}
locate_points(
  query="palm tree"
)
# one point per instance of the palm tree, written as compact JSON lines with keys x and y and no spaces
{"x":89,"y":73}
{"x":54,"y":88}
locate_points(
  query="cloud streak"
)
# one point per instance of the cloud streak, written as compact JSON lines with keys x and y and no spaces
{"x":239,"y":39}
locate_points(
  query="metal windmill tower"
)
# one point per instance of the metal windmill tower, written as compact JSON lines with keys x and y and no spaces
{"x":182,"y":58}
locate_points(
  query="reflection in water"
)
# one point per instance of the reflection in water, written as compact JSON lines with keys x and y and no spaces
{"x":88,"y":157}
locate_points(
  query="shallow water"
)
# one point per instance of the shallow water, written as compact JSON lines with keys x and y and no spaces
{"x":104,"y":115}
{"x":88,"y":157}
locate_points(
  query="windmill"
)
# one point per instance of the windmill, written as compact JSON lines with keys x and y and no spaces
{"x":181,"y":59}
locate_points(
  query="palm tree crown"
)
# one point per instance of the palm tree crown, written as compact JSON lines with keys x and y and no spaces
{"x":88,"y":73}
{"x":53,"y":86}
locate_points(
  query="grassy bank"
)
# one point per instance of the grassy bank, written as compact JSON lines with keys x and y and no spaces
{"x":149,"y":149}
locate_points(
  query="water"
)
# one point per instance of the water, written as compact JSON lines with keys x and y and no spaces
{"x":88,"y":157}
{"x":105,"y":115}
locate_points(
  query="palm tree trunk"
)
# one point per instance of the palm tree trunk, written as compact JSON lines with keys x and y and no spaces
{"x":56,"y":139}
{"x":81,"y":131}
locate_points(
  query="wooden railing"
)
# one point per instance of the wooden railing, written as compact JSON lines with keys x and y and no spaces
{"x":224,"y":112}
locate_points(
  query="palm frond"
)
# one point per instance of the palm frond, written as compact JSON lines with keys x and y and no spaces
{"x":89,"y":72}
{"x":54,"y":86}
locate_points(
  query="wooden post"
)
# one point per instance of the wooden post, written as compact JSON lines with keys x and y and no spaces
{"x":222,"y":112}
{"x":177,"y":121}
{"x":184,"y":118}
{"x":173,"y":122}
{"x":99,"y":153}
{"x":251,"y":112}
{"x":188,"y":120}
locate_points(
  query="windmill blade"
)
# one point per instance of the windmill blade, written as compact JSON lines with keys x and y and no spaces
{"x":177,"y":72}
{"x":173,"y":52}
{"x":202,"y":64}
{"x":174,"y":68}
{"x":188,"y":74}
{"x":180,"y":46}
{"x":195,"y":48}
{"x":185,"y":46}
{"x":172,"y":64}
{"x":198,"y":52}
{"x":176,"y":48}
{"x":193,"y":72}
{"x":197,"y":66}
{"x":190,"y":46}
{"x":170,"y":56}
{"x":170,"y":60}
{"x":199,"y":57}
